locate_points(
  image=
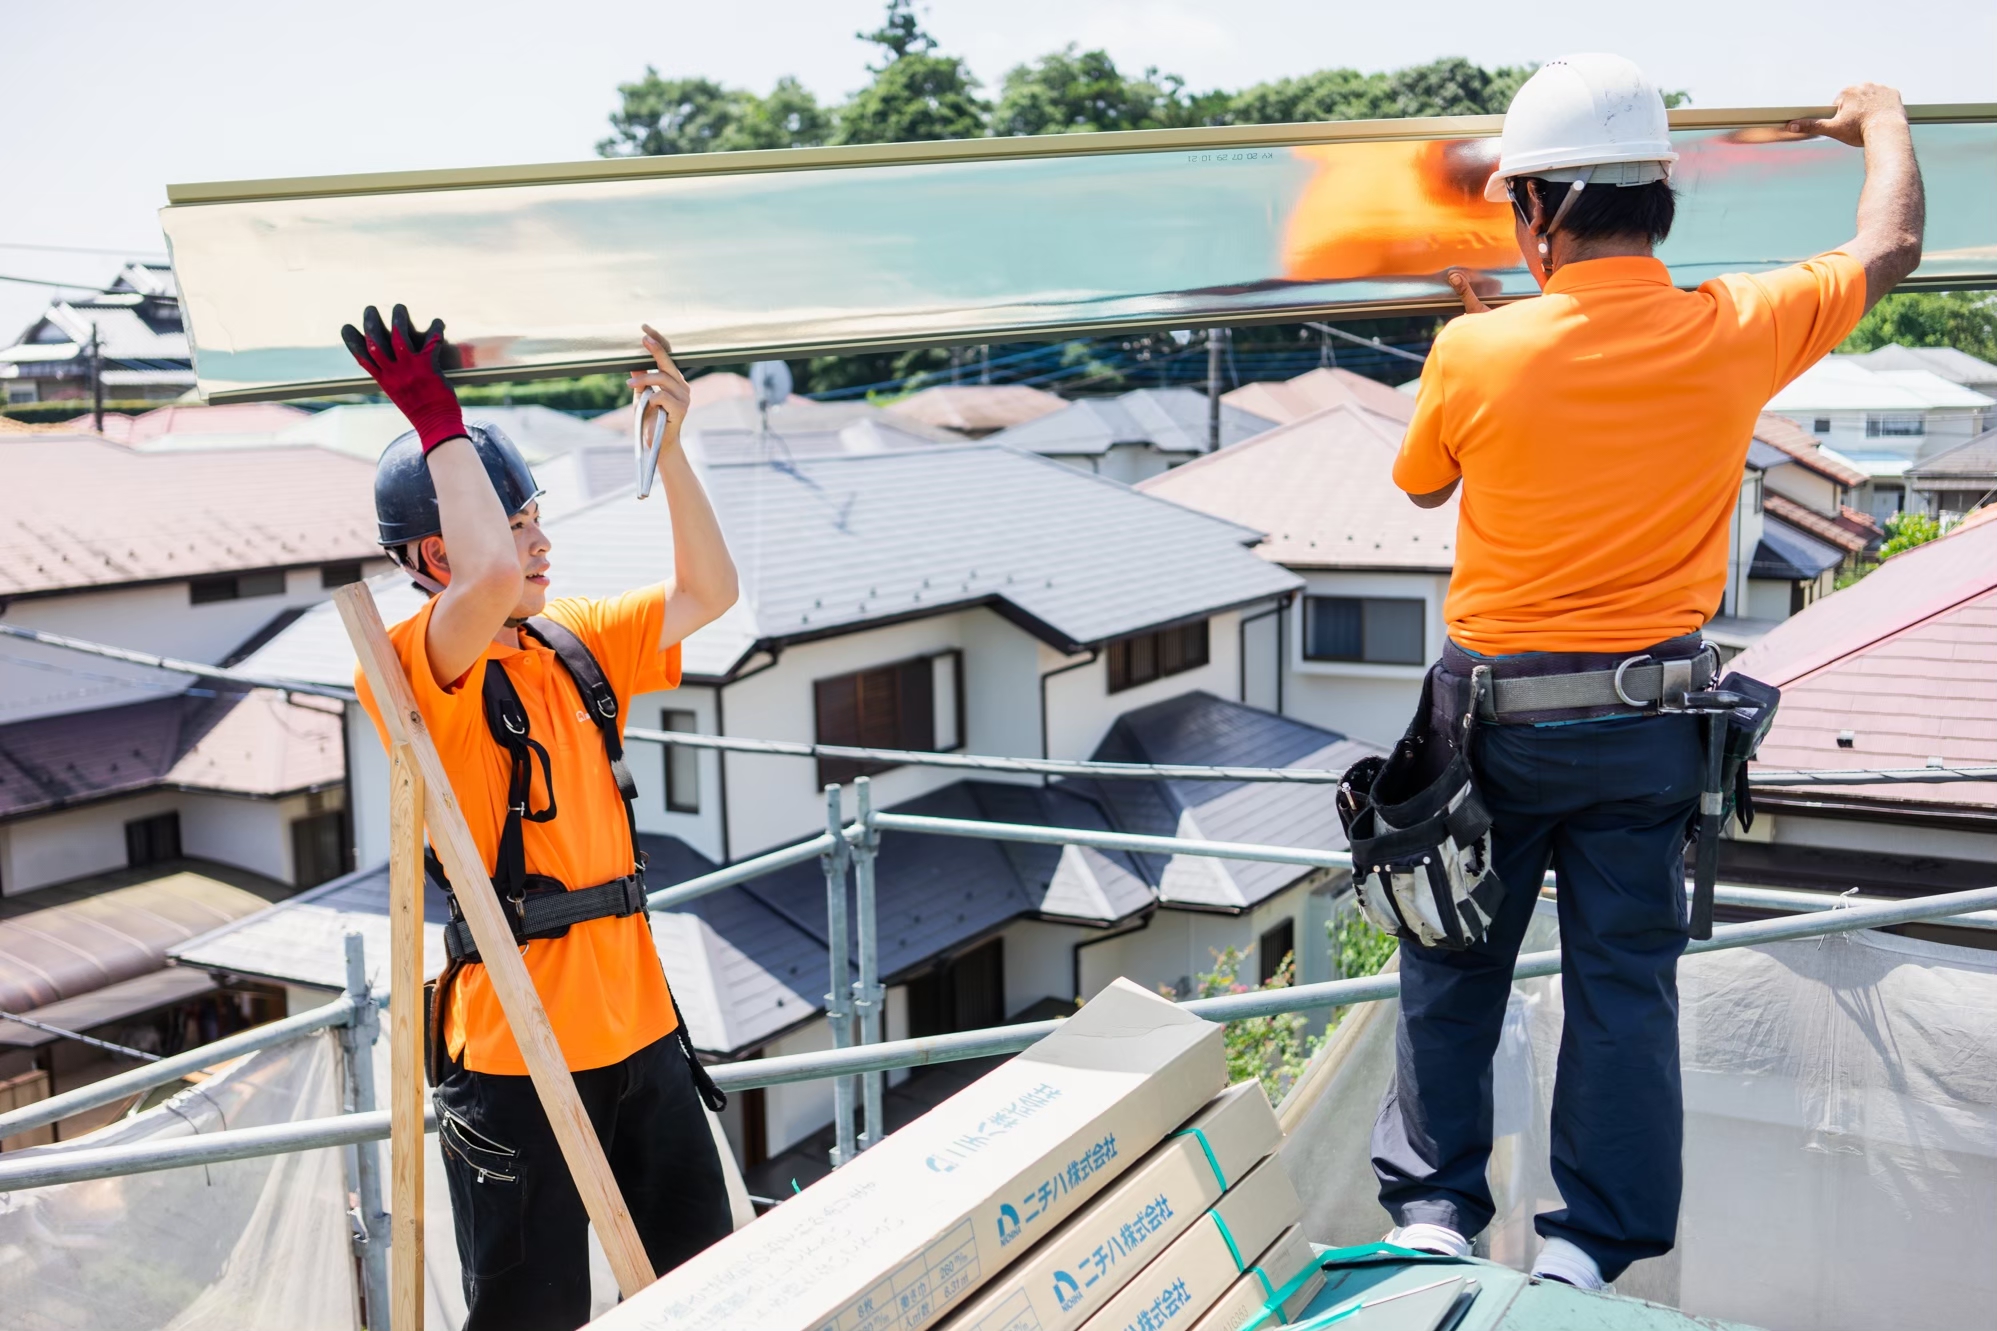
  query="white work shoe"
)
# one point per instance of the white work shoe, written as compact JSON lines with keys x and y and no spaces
{"x":1562,"y":1261}
{"x":1438,"y":1239}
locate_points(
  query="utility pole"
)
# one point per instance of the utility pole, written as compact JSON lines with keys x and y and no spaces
{"x":96,"y":380}
{"x":985,"y":363}
{"x":1216,"y":348}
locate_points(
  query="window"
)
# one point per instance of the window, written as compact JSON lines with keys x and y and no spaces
{"x":1895,"y":427}
{"x":1820,"y":425}
{"x":152,"y":840}
{"x":1143,"y":657}
{"x":235,"y":587}
{"x":1273,"y":947}
{"x":682,"y":765}
{"x":1384,"y":630}
{"x":892,"y":707}
{"x":339,"y":575}
{"x":319,"y":849}
{"x":967,"y":993}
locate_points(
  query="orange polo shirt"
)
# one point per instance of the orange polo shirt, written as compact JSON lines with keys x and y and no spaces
{"x":602,"y":984}
{"x":1599,"y":432}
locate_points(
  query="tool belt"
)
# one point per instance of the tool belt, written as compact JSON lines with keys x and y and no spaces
{"x":1582,"y":686}
{"x":538,"y":906}
{"x":1420,"y":834}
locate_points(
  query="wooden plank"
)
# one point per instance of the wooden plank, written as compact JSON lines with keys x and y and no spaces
{"x":405,"y":1036}
{"x":514,"y":988}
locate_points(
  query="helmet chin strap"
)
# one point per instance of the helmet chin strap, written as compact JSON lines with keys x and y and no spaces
{"x":1559,"y":215}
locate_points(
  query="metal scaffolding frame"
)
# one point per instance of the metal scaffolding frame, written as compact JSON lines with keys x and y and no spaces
{"x":353,"y":1014}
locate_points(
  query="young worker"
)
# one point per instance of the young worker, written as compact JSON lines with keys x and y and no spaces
{"x":491,"y":655}
{"x":1598,"y":433}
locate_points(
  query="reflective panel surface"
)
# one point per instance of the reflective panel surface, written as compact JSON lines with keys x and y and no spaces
{"x":555,"y":275}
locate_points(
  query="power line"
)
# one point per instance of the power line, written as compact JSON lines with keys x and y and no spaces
{"x":1372,"y":342}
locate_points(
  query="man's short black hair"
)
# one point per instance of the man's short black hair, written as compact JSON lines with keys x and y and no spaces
{"x":1603,"y":211}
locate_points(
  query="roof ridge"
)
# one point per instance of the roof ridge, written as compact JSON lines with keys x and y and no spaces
{"x":1908,"y":627}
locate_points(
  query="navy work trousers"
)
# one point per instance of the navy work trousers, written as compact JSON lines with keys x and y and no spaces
{"x":521,"y":1228}
{"x":1607,"y":804}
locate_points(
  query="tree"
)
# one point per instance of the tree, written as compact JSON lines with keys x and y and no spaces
{"x":1907,"y":529}
{"x":1451,"y":86}
{"x":1070,"y":93}
{"x":658,"y":117}
{"x":1965,"y":320}
{"x":916,"y":94}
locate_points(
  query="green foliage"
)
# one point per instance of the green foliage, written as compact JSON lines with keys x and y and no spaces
{"x":69,"y":408}
{"x":658,"y":117}
{"x":1965,"y":320}
{"x":1079,"y":93}
{"x":1357,"y":948}
{"x":591,"y":392}
{"x":1907,"y":529}
{"x":1273,"y":1049}
{"x":916,"y":95}
{"x":1448,"y":87}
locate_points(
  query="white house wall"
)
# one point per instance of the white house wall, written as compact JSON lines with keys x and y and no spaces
{"x":367,"y":788}
{"x":72,"y":843}
{"x":1881,"y":837}
{"x":1817,"y":493}
{"x":1178,"y":945}
{"x":1360,"y":699}
{"x":647,"y":761}
{"x":1039,"y":961}
{"x":157,"y":618}
{"x":1081,"y":709}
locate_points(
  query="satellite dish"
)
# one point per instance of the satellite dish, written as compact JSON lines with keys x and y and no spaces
{"x":772,"y":382}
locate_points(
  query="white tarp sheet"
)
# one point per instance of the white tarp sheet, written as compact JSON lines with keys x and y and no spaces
{"x":245,"y":1243}
{"x":1840,"y":1135}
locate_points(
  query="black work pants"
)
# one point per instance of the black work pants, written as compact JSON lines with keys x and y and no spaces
{"x":1607,"y":804}
{"x":521,"y":1228}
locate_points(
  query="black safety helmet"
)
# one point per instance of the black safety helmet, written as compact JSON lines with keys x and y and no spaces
{"x":405,"y":498}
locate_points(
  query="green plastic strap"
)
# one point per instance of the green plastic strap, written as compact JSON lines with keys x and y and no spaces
{"x":1232,"y":1246}
{"x":1273,"y":1305}
{"x":1268,"y":1285}
{"x":1213,"y":1161}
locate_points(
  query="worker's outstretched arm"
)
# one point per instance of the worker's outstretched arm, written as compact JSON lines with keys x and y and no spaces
{"x":703,"y":585}
{"x":1892,"y":210}
{"x":482,"y":565}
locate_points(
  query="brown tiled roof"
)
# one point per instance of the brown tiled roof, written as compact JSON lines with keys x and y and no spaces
{"x":1863,"y":523}
{"x":78,"y":511}
{"x":1293,"y":399}
{"x":1906,"y":660}
{"x":1783,"y":433}
{"x":1813,"y":522}
{"x":196,"y":418}
{"x":978,"y":409}
{"x":1322,"y":489}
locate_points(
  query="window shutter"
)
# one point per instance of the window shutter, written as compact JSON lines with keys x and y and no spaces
{"x":916,"y":698}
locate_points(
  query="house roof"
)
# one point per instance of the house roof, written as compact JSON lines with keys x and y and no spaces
{"x":977,"y":409}
{"x":1789,"y":553}
{"x":1830,"y":530}
{"x":714,"y":386}
{"x":1800,"y":446}
{"x":1293,"y":399}
{"x":1278,"y":481}
{"x":1956,"y":366}
{"x":728,"y":430}
{"x":1172,"y":420}
{"x":831,"y":545}
{"x":180,"y":421}
{"x":124,"y":334}
{"x":749,"y":962}
{"x":79,"y":946}
{"x":1840,"y":383}
{"x":256,"y":744}
{"x":81,"y":512}
{"x":1905,"y":659}
{"x":1975,"y":460}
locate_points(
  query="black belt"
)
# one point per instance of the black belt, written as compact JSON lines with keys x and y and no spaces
{"x":550,"y":914}
{"x":1570,"y":686}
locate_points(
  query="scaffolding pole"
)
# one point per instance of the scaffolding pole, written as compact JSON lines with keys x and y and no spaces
{"x":867,"y":991}
{"x":838,"y":996}
{"x":370,"y":1221}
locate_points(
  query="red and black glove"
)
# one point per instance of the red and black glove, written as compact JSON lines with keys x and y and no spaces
{"x":406,"y":367}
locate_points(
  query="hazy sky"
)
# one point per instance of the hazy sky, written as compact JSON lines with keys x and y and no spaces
{"x":108,"y":101}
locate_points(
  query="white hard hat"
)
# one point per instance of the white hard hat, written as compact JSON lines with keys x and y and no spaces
{"x":1593,"y":118}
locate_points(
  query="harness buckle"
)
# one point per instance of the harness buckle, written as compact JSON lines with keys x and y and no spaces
{"x":1617,"y":682}
{"x":1675,"y":683}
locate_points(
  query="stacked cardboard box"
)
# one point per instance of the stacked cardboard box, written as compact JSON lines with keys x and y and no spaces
{"x":1103,"y":1180}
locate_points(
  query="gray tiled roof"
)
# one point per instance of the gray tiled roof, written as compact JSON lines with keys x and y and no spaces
{"x":1790,"y":553}
{"x":829,"y":545}
{"x":1974,"y":460}
{"x":1172,"y":420}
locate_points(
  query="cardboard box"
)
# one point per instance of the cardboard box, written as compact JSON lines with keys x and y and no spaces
{"x":899,"y":1237}
{"x":1072,"y":1272}
{"x":1245,"y":1299}
{"x":1190,"y":1276}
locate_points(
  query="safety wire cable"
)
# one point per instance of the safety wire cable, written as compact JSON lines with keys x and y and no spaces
{"x":1934,"y":773}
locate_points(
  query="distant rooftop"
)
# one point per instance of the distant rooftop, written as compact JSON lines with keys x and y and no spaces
{"x":1957,"y":367}
{"x":976,"y":410}
{"x":1281,"y":482}
{"x":1842,"y":383}
{"x":1293,"y":399}
{"x":79,"y":512}
{"x":1974,"y":461}
{"x":1171,"y":420}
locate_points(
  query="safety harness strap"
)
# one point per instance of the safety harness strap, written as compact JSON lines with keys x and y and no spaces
{"x":1637,"y":683}
{"x":550,"y":914}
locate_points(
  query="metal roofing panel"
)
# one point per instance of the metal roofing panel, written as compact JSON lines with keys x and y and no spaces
{"x":70,"y":949}
{"x":1975,"y":459}
{"x":1952,"y":364}
{"x":1791,"y":553}
{"x":1172,"y":420}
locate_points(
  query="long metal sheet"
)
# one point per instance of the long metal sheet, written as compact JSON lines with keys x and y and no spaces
{"x":550,"y":270}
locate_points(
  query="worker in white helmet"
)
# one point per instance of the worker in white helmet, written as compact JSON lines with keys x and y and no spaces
{"x":1597,"y":433}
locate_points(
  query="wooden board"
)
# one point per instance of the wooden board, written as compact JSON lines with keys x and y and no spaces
{"x":405,"y":1037}
{"x":514,"y":988}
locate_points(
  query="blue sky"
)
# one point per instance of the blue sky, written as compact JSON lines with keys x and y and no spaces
{"x":109,"y":101}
